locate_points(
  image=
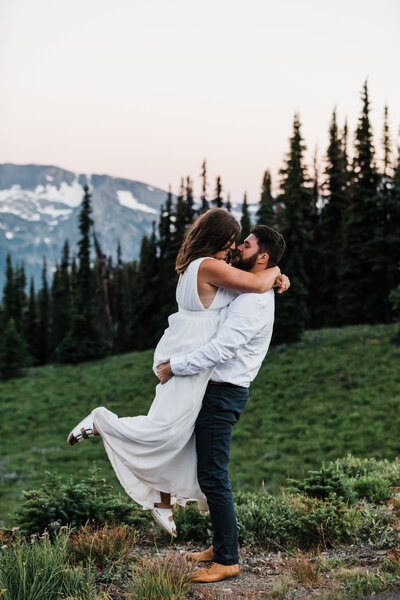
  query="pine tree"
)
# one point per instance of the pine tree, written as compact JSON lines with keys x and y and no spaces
{"x":190,"y":213}
{"x":245,"y":220}
{"x":228,"y":203}
{"x":120,"y":342}
{"x":218,"y":201}
{"x":266,"y":214}
{"x":20,"y":299}
{"x":43,"y":333}
{"x":203,"y":197}
{"x":31,"y":324}
{"x":12,"y":352}
{"x":180,"y":219}
{"x":61,"y":300}
{"x":330,"y":231}
{"x":165,"y":228}
{"x":363,"y":256}
{"x":386,"y":147}
{"x":9,"y":291}
{"x":390,"y":217}
{"x":144,"y":328}
{"x":102,"y":297}
{"x":83,"y":341}
{"x":292,"y":218}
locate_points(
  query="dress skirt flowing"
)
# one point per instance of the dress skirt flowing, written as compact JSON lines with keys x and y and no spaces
{"x":156,"y":452}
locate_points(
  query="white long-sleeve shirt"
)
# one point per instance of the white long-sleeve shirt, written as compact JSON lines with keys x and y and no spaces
{"x":239,"y":346}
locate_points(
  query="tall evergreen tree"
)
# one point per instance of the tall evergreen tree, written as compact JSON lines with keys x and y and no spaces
{"x":102,"y":269}
{"x":363,"y":256}
{"x":9,"y":291}
{"x":190,"y":213}
{"x":120,"y":342}
{"x":61,"y":299}
{"x":386,"y":147}
{"x":228,"y":203}
{"x":31,"y":324}
{"x":180,"y":219}
{"x":145,"y":325}
{"x":218,"y":200}
{"x":83,"y":341}
{"x":204,"y":202}
{"x":292,"y":313}
{"x":330,"y":231}
{"x":20,"y":298}
{"x":12,"y":352}
{"x":266,"y":214}
{"x":389,"y":208}
{"x":165,"y":228}
{"x":43,"y":333}
{"x":245,"y":219}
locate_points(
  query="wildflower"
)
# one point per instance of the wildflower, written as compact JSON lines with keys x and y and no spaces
{"x":4,"y":547}
{"x":55,"y":524}
{"x":14,"y":529}
{"x":63,"y":527}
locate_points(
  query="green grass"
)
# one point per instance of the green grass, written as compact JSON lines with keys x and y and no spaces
{"x":336,"y":392}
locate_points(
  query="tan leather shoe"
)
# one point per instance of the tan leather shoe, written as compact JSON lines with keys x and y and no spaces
{"x":214,"y":572}
{"x":204,"y":556}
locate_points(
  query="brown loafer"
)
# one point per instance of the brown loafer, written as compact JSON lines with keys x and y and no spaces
{"x":205,"y":556}
{"x":214,"y":572}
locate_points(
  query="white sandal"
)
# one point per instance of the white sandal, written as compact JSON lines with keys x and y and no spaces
{"x":165,"y":519}
{"x":77,"y":435}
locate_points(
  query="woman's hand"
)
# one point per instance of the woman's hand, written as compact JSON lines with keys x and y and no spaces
{"x":282,"y":282}
{"x":164,"y":372}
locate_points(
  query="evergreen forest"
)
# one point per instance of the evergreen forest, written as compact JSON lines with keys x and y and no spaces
{"x":340,"y":220}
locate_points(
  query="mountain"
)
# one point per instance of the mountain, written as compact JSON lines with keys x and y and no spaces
{"x":39,"y":208}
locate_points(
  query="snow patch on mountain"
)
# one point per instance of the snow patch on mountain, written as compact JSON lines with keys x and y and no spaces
{"x":127,"y":199}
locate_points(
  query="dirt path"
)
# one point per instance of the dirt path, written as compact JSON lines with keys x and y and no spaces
{"x":262,"y":573}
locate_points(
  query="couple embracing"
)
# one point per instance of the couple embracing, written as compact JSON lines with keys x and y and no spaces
{"x":206,"y":359}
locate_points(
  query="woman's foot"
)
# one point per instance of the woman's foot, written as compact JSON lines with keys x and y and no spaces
{"x":165,"y":519}
{"x":84,"y":430}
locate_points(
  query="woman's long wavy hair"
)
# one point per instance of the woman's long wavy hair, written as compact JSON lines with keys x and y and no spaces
{"x":211,"y":232}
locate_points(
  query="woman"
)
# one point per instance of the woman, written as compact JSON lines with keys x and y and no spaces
{"x":154,"y":456}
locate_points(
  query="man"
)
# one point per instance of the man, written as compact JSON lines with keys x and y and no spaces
{"x":237,"y":352}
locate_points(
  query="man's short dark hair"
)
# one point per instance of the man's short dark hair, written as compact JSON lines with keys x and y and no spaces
{"x":270,"y":241}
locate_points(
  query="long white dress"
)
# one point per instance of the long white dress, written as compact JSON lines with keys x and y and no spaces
{"x":157,"y":452}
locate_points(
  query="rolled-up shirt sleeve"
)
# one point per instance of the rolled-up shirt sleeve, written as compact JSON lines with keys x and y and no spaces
{"x":242,"y":323}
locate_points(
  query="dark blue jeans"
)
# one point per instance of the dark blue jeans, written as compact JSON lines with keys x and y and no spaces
{"x":222,"y":407}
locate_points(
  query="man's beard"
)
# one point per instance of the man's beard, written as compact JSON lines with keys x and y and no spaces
{"x":245,"y":264}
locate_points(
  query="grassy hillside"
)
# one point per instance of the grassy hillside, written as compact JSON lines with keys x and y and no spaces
{"x":337,"y":392}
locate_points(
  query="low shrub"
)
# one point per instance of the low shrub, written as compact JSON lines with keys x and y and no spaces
{"x":324,"y":523}
{"x":265,"y":520}
{"x":374,"y":487}
{"x":323,"y":484}
{"x":74,"y":504}
{"x":165,"y":577}
{"x":101,"y":546}
{"x":293,"y":520}
{"x":377,"y":526}
{"x":304,"y":571}
{"x":191,"y":526}
{"x":39,"y":570}
{"x":354,"y":468}
{"x":328,"y":564}
{"x":361,"y":585}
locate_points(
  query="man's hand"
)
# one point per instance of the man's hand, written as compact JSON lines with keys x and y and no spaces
{"x":282,"y":282}
{"x":164,"y":372}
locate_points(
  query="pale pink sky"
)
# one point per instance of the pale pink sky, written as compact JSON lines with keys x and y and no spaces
{"x":145,"y":89}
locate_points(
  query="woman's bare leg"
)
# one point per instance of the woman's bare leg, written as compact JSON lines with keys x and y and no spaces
{"x":165,"y":501}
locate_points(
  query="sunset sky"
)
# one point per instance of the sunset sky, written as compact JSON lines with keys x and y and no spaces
{"x":148,"y":89}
